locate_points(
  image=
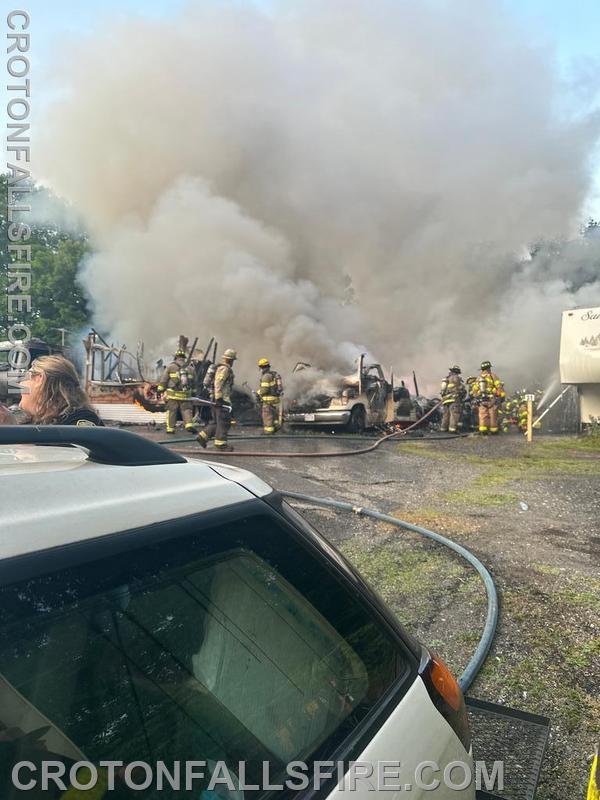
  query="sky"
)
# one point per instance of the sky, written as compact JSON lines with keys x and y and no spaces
{"x":571,"y":29}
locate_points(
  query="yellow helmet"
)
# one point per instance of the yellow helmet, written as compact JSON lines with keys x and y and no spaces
{"x":230,"y":354}
{"x":264,"y":362}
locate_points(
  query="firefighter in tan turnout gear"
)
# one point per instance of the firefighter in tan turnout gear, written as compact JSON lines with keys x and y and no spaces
{"x":177,"y":383}
{"x":453,"y":395}
{"x":269,"y":394}
{"x":490,"y":393}
{"x":221,"y":396}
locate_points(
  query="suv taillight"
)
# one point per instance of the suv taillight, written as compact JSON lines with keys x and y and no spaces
{"x":446,"y":695}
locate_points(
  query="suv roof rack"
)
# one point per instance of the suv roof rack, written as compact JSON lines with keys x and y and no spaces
{"x":105,"y":445}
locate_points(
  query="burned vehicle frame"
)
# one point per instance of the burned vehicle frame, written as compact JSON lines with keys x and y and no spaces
{"x":365,"y":400}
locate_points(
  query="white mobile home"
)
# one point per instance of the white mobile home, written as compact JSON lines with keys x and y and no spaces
{"x":580,"y":358}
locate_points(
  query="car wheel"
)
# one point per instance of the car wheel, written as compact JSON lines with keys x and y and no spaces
{"x":357,"y":422}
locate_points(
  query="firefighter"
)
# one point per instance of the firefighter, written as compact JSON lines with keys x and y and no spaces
{"x":221,"y":396}
{"x":503,"y":410}
{"x":198,"y":366}
{"x":453,"y":395}
{"x":522,"y":411}
{"x":208,"y":383}
{"x":204,"y":373}
{"x":490,"y":395}
{"x":177,"y":382}
{"x":471,"y":413}
{"x":514,"y":406}
{"x":593,"y":790}
{"x":269,"y":394}
{"x":517,"y":409}
{"x":206,"y":391}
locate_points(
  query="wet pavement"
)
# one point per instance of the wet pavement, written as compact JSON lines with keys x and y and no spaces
{"x":382,"y":476}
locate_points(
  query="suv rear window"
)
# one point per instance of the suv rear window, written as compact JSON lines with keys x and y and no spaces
{"x":232,"y":643}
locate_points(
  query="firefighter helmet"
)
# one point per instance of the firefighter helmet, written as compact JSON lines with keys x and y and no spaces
{"x":486,"y":365}
{"x":180,"y":353}
{"x":230,"y":354}
{"x":264,"y":362}
{"x":456,"y":369}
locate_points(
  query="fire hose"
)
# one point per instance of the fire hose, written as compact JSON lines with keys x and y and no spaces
{"x":321,"y":436}
{"x":477,"y":659}
{"x":314,"y":454}
{"x":200,"y":401}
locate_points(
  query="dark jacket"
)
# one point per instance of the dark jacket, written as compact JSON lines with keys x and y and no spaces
{"x":80,"y":417}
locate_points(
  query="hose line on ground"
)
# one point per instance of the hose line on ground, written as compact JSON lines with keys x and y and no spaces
{"x":317,"y":437}
{"x":489,"y":630}
{"x":327,"y":454}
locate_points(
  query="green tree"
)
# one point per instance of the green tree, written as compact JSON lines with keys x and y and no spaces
{"x":57,"y":298}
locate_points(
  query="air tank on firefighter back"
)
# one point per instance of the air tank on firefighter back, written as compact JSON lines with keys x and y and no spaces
{"x":580,"y":358}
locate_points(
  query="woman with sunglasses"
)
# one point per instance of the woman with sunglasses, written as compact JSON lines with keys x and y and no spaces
{"x":52,"y":395}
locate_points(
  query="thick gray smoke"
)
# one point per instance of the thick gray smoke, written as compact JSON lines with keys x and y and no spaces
{"x":326,"y":178}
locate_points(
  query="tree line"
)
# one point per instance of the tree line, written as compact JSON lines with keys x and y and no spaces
{"x":57,"y":298}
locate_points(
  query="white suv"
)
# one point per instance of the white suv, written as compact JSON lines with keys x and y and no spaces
{"x":157,"y":612}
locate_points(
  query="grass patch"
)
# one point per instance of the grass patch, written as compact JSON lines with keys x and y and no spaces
{"x":395,"y":571}
{"x":418,"y":448}
{"x":478,"y":495}
{"x":554,"y":668}
{"x":546,"y":569}
{"x":469,"y":637}
{"x":588,"y":600}
{"x":413,"y":582}
{"x":438,"y":521}
{"x":472,"y":588}
{"x":483,"y":490}
{"x":541,"y":460}
{"x":582,"y":656}
{"x":585,"y":444}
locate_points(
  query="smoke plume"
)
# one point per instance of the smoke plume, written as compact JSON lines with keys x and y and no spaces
{"x":328,"y":177}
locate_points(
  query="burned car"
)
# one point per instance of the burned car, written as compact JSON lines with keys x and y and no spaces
{"x":364,"y":399}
